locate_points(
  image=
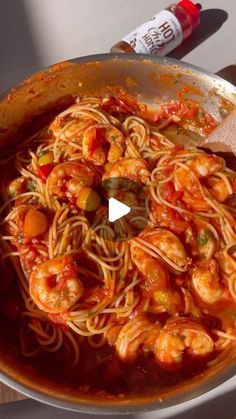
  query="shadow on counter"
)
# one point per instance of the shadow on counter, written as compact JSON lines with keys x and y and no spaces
{"x":228,"y":73}
{"x":211,"y":22}
{"x":18,"y":54}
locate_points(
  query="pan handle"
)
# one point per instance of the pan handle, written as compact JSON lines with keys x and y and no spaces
{"x":228,"y":73}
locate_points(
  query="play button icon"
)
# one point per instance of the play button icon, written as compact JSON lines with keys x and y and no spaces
{"x":116,"y":210}
{"x":122,"y":213}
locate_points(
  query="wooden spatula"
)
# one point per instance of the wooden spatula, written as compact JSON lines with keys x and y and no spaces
{"x":222,"y":140}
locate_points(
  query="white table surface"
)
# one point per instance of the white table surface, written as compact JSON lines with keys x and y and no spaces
{"x":37,"y":33}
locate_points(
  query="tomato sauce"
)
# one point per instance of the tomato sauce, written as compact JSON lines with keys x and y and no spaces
{"x":100,"y":369}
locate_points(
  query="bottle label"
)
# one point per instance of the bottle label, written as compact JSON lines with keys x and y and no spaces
{"x":160,"y":35}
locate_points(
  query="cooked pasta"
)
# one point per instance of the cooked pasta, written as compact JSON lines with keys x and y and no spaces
{"x":162,"y":297}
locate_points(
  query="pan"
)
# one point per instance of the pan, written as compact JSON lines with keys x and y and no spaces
{"x":151,"y":80}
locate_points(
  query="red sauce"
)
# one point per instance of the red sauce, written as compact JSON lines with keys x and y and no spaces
{"x":100,"y":368}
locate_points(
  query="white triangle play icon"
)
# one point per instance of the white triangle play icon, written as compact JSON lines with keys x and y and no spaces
{"x":116,"y":209}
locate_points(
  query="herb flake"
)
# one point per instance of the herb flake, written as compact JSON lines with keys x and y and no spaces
{"x":203,"y":238}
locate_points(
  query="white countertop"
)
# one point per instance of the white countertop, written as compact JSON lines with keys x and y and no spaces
{"x":37,"y":33}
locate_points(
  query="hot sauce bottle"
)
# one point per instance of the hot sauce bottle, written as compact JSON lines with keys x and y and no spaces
{"x":164,"y":31}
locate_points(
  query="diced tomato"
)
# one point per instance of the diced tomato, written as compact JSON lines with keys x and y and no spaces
{"x":210,"y":123}
{"x":170,"y":194}
{"x":98,"y":138}
{"x":187,"y":111}
{"x":166,"y":110}
{"x":168,"y":218}
{"x":108,"y":103}
{"x":119,"y":104}
{"x":160,"y":116}
{"x":127,"y":106}
{"x":35,"y":224}
{"x":45,"y":170}
{"x":168,"y":191}
{"x":173,"y":107}
{"x":191,"y":113}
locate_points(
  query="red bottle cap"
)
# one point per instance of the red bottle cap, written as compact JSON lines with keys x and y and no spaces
{"x":193,"y":11}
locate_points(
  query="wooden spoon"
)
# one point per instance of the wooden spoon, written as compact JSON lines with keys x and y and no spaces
{"x":222,"y":140}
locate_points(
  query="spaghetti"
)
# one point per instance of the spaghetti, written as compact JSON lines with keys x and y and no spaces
{"x":156,"y":296}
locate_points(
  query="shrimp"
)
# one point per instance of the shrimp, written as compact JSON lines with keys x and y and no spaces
{"x":206,"y":282}
{"x":138,"y":333}
{"x":180,"y":336}
{"x":67,"y":129}
{"x":167,"y":245}
{"x":156,"y":281}
{"x":205,"y":165}
{"x":16,"y":187}
{"x":226,"y":264}
{"x":156,"y":278}
{"x":228,"y":271}
{"x":94,"y":143}
{"x":200,"y":238}
{"x":155,"y":273}
{"x":74,"y":129}
{"x":68,"y":178}
{"x":54,"y":286}
{"x":187,"y":181}
{"x":218,"y":189}
{"x":133,"y":169}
